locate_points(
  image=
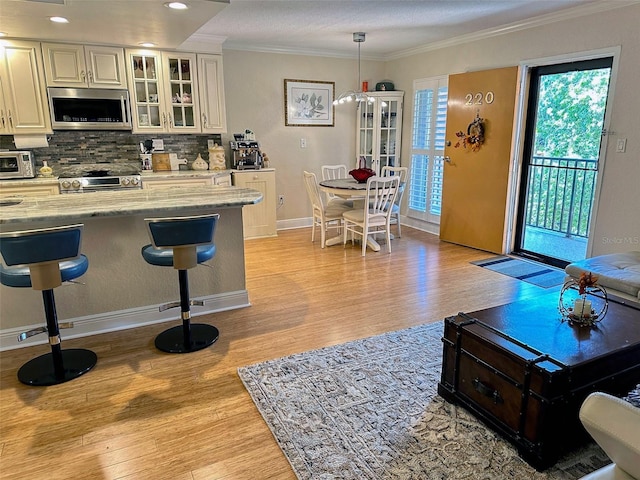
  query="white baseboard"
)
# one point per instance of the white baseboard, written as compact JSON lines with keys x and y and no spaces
{"x":293,"y":223}
{"x":410,"y":222}
{"x":124,"y":319}
{"x":420,"y":225}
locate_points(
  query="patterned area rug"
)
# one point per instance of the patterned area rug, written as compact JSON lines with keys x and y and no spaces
{"x":531,"y":272}
{"x":634,"y":396}
{"x":369,"y":409}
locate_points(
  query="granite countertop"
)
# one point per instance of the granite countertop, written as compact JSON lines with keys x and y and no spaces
{"x":74,"y":207}
{"x":148,"y":175}
{"x":250,"y":170}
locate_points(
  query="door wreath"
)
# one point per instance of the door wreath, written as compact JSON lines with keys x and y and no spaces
{"x":474,"y":138}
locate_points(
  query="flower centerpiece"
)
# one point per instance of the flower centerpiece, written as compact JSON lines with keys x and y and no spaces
{"x":587,"y":279}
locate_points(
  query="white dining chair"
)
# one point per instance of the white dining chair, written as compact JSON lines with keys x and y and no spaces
{"x":326,"y":217}
{"x":332,"y":172}
{"x":403,"y":173}
{"x":375,"y":216}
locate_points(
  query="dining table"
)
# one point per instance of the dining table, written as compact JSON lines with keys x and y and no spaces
{"x":352,"y":189}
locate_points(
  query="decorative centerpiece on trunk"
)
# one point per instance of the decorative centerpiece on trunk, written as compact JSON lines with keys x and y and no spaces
{"x":583,"y":302}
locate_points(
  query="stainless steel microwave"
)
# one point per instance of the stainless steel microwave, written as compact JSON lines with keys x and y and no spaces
{"x":16,"y":164}
{"x":89,"y":109}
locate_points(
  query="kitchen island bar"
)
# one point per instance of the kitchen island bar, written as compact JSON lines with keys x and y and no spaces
{"x":120,"y":289}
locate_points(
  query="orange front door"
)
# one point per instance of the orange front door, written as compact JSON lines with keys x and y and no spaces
{"x":478,"y":152}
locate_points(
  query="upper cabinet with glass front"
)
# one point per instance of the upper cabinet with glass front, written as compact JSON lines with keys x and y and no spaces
{"x":84,"y":66}
{"x":164,"y":92}
{"x":379,"y":130}
{"x":181,"y":91}
{"x":146,"y":91}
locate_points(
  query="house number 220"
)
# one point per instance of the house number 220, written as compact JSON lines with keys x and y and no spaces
{"x":478,"y":98}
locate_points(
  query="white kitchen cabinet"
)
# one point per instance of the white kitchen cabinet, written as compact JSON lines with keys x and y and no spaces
{"x":29,"y":188}
{"x":4,"y":119}
{"x":258,"y":220}
{"x":84,"y":66}
{"x":379,"y":130}
{"x":211,"y":93}
{"x":150,"y":183}
{"x":164,"y":92}
{"x":222,"y":180}
{"x":187,"y":178}
{"x":24,"y":108}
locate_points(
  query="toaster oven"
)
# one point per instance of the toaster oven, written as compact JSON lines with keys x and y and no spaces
{"x":16,"y":164}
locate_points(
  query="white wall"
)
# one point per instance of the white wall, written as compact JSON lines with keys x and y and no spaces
{"x":255,"y":100}
{"x":617,"y":226}
{"x":254,"y":92}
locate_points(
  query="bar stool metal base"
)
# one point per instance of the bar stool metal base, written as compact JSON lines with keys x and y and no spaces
{"x":41,"y":371}
{"x":173,"y":339}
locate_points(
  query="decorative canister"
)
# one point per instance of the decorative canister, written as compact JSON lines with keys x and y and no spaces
{"x":384,"y":86}
{"x":45,"y":170}
{"x":216,"y":158}
{"x":199,"y":164}
{"x":146,"y":162}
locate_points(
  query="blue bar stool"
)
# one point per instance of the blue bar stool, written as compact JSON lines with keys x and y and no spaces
{"x":42,"y":259}
{"x":182,"y":243}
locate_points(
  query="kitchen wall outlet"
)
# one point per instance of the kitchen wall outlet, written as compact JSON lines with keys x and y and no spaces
{"x":211,"y":143}
{"x":621,"y":145}
{"x":303,"y":143}
{"x":158,"y":144}
{"x":280,"y":199}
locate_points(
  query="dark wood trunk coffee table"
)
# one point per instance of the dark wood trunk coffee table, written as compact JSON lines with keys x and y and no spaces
{"x":525,"y":372}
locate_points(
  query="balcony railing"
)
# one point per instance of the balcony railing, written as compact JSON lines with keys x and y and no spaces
{"x":560,"y":194}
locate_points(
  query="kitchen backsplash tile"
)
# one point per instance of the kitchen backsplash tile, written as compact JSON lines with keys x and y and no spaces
{"x":77,"y":147}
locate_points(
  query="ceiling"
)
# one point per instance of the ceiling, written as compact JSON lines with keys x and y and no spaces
{"x":312,"y":27}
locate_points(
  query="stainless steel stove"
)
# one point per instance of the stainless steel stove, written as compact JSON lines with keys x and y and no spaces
{"x":98,"y":177}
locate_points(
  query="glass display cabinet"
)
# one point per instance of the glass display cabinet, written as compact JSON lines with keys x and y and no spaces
{"x":379,"y":130}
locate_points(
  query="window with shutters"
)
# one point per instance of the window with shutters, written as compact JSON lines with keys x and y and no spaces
{"x":427,"y":149}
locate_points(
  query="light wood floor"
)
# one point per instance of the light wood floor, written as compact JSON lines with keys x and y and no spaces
{"x":142,"y":414}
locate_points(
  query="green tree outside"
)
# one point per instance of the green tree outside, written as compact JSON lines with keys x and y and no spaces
{"x":570,"y":117}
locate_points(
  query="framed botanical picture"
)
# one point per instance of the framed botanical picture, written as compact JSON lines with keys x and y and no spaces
{"x":308,"y":103}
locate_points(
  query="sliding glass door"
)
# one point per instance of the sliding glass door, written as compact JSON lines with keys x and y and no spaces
{"x":562,"y":159}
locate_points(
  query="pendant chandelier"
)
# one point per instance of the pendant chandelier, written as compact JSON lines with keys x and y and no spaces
{"x":355,"y":95}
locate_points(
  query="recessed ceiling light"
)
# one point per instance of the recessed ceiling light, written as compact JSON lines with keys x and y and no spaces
{"x":59,"y":20}
{"x":147,"y":44}
{"x":176,"y":5}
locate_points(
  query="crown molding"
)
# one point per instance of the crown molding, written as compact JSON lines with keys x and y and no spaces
{"x":541,"y":20}
{"x":201,"y":42}
{"x":299,"y":51}
{"x":571,"y":13}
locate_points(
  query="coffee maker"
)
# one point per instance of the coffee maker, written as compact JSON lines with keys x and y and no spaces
{"x":246,"y":153}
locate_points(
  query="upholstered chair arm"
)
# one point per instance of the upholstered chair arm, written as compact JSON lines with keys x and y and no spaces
{"x":615,"y":425}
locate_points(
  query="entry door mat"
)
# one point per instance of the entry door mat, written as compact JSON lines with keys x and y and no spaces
{"x":530,"y":272}
{"x":369,"y":410}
